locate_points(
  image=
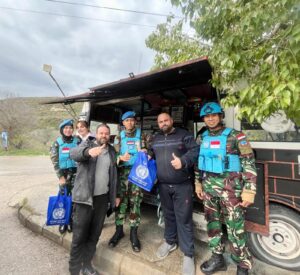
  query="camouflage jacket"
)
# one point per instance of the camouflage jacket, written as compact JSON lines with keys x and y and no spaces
{"x":238,"y":144}
{"x":54,"y":156}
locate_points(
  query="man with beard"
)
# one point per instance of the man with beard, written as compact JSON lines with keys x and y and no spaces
{"x":228,"y":178}
{"x":95,"y":189}
{"x":64,"y":166}
{"x":176,"y":152}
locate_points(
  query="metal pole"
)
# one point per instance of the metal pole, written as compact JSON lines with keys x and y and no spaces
{"x":74,"y":113}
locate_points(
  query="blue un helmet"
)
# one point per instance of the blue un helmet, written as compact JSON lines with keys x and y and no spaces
{"x":210,"y":108}
{"x":66,"y":122}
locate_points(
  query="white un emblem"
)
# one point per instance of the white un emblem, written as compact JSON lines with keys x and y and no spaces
{"x":142,"y":171}
{"x":59,"y":212}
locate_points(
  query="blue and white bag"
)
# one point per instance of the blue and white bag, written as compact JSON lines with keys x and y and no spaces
{"x":59,"y":209}
{"x":143,"y":172}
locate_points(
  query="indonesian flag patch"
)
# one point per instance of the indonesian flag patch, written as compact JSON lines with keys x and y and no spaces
{"x":215,"y":144}
{"x":65,"y":150}
{"x":240,"y":136}
{"x":130,"y":142}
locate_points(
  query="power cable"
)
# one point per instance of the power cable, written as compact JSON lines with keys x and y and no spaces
{"x":78,"y":17}
{"x":110,"y":8}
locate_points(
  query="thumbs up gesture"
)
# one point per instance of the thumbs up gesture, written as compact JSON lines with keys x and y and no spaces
{"x":176,"y":162}
{"x":125,"y":157}
{"x":96,"y":151}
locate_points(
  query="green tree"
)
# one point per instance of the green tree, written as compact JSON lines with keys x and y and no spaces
{"x":253,"y":47}
{"x":18,"y":119}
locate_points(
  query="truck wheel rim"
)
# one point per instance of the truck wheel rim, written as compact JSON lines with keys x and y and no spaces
{"x":283,"y":241}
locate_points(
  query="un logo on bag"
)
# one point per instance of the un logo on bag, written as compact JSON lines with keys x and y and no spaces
{"x":59,"y":212}
{"x":142,"y":171}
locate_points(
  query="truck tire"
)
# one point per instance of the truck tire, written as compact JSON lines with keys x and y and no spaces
{"x":282,"y":247}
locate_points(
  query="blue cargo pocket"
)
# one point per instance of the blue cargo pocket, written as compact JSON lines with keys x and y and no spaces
{"x":218,"y":164}
{"x":201,"y":163}
{"x":205,"y":163}
{"x":208,"y":164}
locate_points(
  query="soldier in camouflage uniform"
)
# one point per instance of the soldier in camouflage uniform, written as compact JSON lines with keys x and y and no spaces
{"x":64,"y":167}
{"x":127,"y":145}
{"x":228,"y":177}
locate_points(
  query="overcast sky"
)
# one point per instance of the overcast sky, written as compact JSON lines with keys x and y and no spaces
{"x":83,"y":53}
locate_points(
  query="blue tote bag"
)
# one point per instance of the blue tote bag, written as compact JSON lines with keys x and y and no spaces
{"x":59,"y":209}
{"x":143,"y":172}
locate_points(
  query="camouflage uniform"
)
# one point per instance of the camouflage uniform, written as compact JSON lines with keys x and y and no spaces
{"x":69,"y":174}
{"x":128,"y":192}
{"x":222,"y":195}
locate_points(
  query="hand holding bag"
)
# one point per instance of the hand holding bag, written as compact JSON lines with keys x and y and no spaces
{"x":59,"y":209}
{"x":143,"y":172}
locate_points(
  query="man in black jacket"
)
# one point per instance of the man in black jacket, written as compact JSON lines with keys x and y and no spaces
{"x":95,"y":189}
{"x":176,"y":152}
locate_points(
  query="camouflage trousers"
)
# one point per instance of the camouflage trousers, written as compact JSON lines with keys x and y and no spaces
{"x":131,"y":195}
{"x":221,"y":204}
{"x":70,"y":179}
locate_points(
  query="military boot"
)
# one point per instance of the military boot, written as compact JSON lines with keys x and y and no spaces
{"x":241,"y":271}
{"x":135,"y":243}
{"x":89,"y":270}
{"x":70,"y":227}
{"x":119,"y":234}
{"x":214,"y":264}
{"x":62,"y":229}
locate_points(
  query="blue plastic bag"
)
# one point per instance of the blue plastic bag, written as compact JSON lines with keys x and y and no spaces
{"x":59,"y":209}
{"x":143,"y":172}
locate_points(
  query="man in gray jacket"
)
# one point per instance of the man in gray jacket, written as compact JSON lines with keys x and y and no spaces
{"x":94,"y":196}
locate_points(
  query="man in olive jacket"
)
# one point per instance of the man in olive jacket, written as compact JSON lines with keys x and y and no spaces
{"x":94,"y":196}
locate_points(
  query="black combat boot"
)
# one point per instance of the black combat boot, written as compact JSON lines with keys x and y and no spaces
{"x":241,"y":271}
{"x":214,"y":264}
{"x":62,"y":229}
{"x":70,"y":227}
{"x":89,"y":270}
{"x":119,"y":234}
{"x":135,"y":243}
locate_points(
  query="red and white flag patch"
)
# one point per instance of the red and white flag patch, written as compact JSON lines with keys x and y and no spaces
{"x":130,"y":142}
{"x":65,"y":150}
{"x":215,"y":144}
{"x":240,"y":136}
